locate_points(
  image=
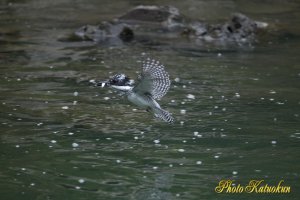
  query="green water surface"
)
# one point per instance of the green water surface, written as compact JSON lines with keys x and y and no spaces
{"x":236,"y":109}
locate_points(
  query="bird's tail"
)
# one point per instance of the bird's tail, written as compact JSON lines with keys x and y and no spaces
{"x":163,"y":115}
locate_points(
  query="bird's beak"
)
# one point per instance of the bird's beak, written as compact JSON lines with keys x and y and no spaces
{"x":103,"y":84}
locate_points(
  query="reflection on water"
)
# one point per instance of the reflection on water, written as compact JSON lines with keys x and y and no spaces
{"x":237,"y":110}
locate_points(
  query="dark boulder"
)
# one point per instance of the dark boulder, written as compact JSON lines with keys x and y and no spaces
{"x":158,"y":22}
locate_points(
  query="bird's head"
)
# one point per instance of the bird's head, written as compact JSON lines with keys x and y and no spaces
{"x":119,"y":82}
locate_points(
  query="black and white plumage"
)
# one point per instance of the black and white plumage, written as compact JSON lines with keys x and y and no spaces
{"x":153,"y":79}
{"x":152,"y":84}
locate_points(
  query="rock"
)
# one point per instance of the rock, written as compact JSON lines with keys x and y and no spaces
{"x":166,"y":16}
{"x":104,"y":31}
{"x":239,"y":28}
{"x":158,"y":22}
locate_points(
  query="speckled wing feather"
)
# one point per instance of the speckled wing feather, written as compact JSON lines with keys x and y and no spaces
{"x":154,"y":80}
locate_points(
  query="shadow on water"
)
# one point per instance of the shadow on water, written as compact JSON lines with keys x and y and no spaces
{"x":236,"y":109}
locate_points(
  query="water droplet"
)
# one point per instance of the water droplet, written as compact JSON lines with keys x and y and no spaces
{"x":199,"y":162}
{"x":273,"y":142}
{"x":92,"y":81}
{"x":65,"y":107}
{"x":75,"y":145}
{"x":81,"y":180}
{"x":156,"y":141}
{"x":237,"y":95}
{"x":190,"y":96}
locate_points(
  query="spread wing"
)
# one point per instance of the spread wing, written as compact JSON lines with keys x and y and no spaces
{"x":154,"y":80}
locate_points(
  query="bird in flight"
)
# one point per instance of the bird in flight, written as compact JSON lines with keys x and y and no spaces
{"x":151,"y":85}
